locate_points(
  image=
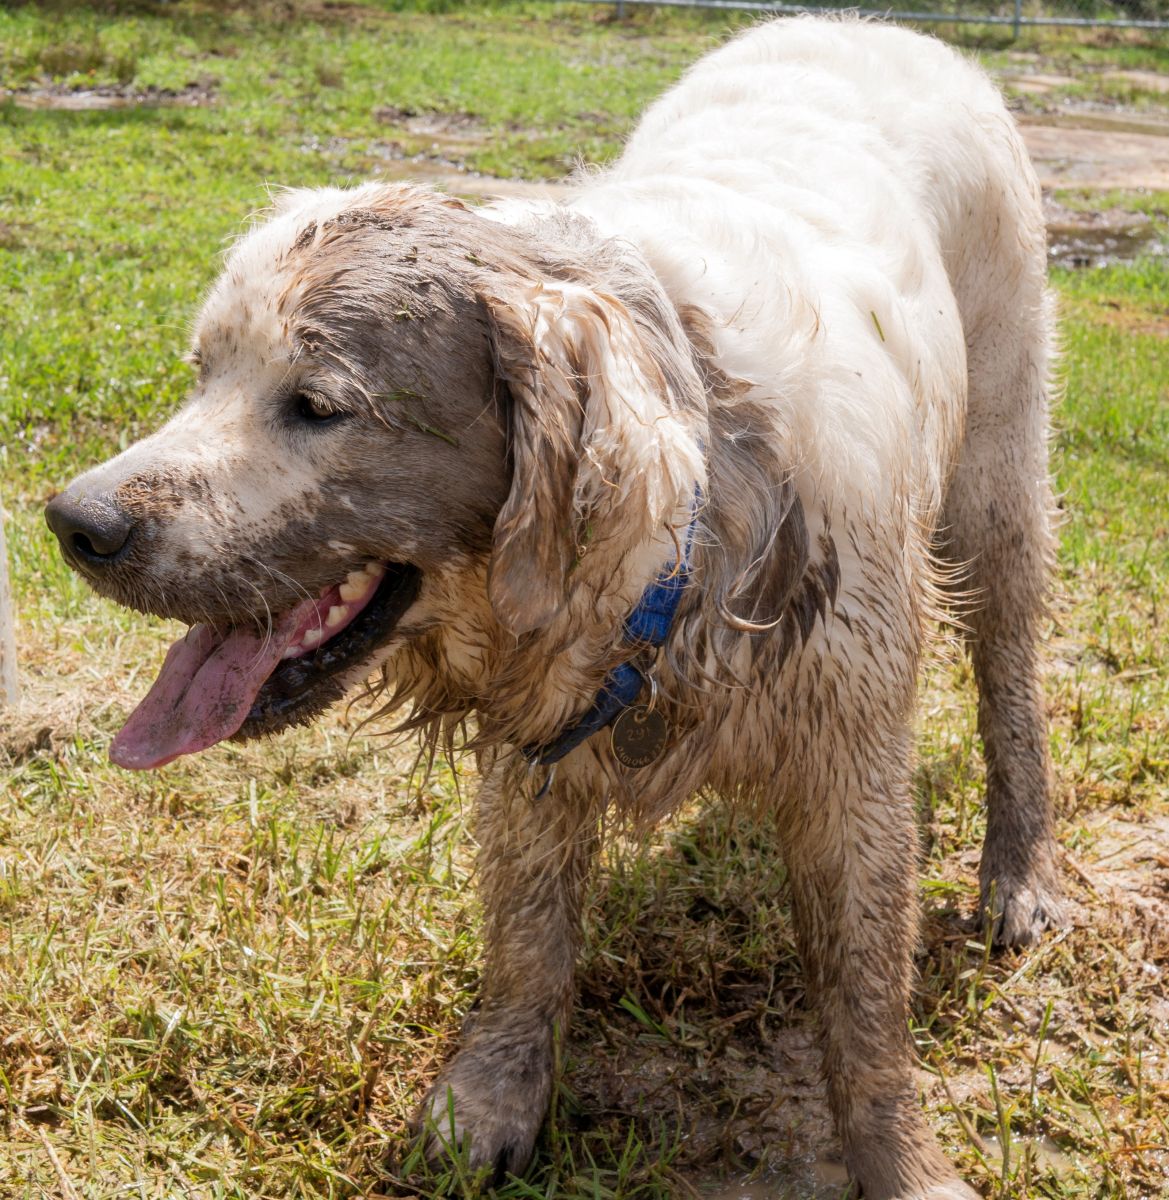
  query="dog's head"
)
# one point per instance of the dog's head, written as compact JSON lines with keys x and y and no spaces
{"x":403,"y":419}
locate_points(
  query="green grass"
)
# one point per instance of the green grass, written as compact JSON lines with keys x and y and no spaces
{"x":107,"y":217}
{"x":234,"y":978}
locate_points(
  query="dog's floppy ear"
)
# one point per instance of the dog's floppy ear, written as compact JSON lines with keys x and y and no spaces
{"x":601,"y":463}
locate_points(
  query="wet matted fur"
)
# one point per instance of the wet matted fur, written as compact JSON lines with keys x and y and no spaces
{"x":810,"y":293}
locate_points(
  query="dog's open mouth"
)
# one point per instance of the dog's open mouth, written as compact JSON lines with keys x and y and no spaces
{"x":244,"y":682}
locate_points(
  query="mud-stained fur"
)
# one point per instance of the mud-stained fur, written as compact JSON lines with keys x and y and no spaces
{"x":806,"y":312}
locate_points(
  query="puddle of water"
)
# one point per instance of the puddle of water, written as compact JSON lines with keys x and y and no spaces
{"x":103,"y":99}
{"x":1071,"y":245}
{"x":1043,"y":1151}
{"x":818,"y":1179}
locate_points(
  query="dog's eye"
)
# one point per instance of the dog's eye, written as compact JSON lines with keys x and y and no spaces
{"x":312,"y":406}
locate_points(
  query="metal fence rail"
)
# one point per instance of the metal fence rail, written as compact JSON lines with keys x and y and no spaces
{"x":1102,"y":16}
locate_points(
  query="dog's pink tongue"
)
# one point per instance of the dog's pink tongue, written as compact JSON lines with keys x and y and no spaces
{"x":204,"y":691}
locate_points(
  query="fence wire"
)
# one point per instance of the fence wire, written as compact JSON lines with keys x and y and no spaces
{"x":1093,"y":14}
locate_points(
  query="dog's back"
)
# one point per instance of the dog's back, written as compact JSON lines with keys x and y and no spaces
{"x":835,"y":191}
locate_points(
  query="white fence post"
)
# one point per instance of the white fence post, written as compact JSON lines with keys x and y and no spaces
{"x":9,"y":686}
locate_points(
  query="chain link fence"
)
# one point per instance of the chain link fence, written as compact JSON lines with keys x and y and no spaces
{"x":1125,"y":14}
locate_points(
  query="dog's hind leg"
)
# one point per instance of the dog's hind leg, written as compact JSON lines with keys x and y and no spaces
{"x":534,"y":858}
{"x":998,"y":521}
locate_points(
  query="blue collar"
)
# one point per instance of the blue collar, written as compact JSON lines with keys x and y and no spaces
{"x":646,"y":628}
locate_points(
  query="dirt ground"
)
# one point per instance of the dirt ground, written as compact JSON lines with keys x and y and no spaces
{"x":1098,"y":150}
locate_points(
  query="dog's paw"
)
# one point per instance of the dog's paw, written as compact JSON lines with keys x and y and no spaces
{"x":486,"y":1108}
{"x":1019,"y":913}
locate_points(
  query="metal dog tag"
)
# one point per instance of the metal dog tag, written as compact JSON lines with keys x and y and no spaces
{"x":638,"y":736}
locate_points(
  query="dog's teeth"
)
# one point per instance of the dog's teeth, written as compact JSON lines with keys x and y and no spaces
{"x":310,"y":637}
{"x":291,"y":651}
{"x":337,"y":616}
{"x":355,"y":586}
{"x":358,"y":583}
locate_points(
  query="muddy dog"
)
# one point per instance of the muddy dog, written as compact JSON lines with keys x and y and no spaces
{"x":661,"y":488}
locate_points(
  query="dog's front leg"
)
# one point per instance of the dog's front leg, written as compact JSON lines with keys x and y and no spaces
{"x":534,"y":857}
{"x":851,"y":850}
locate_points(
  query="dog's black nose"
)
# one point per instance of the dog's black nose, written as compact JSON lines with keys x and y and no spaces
{"x":92,"y":532}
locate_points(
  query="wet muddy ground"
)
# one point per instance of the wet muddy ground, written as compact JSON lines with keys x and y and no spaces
{"x":197,"y":93}
{"x":826,"y":1179}
{"x":1097,"y":238}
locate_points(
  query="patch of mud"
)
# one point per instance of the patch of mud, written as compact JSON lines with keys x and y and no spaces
{"x":431,"y":123}
{"x":732,"y":1076}
{"x":755,"y":1100}
{"x":1131,"y":867}
{"x":44,"y":718}
{"x":1036,"y":84}
{"x":1111,"y":154}
{"x":438,"y":166}
{"x":56,"y":97}
{"x":1088,"y":142}
{"x":447,"y":136}
{"x":1041,"y":83}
